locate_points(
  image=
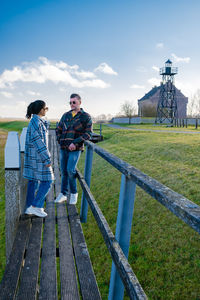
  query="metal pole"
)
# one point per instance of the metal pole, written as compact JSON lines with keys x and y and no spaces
{"x":123,"y":232}
{"x":87,"y":176}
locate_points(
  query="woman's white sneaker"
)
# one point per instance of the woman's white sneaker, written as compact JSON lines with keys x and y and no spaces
{"x":61,"y":198}
{"x":73,"y":198}
{"x":27,"y":212}
{"x":37,"y":211}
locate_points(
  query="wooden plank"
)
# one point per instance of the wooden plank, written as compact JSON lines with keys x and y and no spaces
{"x":69,"y":288}
{"x":126,"y":273}
{"x":29,"y":278}
{"x":88,"y":284}
{"x":48,"y":277}
{"x":10,"y":279}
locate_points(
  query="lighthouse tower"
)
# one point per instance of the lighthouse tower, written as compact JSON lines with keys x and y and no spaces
{"x":167,"y":104}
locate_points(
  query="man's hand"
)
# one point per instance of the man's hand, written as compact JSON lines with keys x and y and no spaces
{"x":72,"y":147}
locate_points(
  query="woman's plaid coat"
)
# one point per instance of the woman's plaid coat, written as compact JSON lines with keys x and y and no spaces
{"x":37,"y":155}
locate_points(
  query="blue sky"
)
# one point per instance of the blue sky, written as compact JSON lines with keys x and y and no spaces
{"x":108,"y":51}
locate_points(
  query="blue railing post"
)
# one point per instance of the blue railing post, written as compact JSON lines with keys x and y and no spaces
{"x":87,"y":176}
{"x":123,"y":232}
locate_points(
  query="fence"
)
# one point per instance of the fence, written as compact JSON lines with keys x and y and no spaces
{"x":183,"y":208}
{"x":15,"y":185}
{"x":117,"y":245}
{"x":179,"y":122}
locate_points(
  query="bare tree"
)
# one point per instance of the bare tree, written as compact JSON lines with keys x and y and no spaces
{"x":194,"y":105}
{"x":191,"y":108}
{"x":128,"y":109}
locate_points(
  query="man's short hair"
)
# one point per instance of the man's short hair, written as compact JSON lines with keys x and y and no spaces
{"x":75,"y":96}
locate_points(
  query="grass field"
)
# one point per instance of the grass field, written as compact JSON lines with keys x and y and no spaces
{"x":164,"y":252}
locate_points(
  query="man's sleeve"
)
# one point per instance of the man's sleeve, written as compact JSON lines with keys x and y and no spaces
{"x":59,"y":130}
{"x":87,"y":132}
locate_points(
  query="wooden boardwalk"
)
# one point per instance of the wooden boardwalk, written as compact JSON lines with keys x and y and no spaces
{"x":50,"y":259}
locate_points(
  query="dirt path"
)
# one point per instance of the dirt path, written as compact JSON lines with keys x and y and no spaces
{"x":153,"y":130}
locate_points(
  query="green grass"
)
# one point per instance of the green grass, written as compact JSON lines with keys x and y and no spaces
{"x":164,"y":251}
{"x":13,"y":125}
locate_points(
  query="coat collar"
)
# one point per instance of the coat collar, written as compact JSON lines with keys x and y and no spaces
{"x":38,"y":118}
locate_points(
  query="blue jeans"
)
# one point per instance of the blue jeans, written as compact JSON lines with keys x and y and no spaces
{"x":68,"y":163}
{"x":36,"y":192}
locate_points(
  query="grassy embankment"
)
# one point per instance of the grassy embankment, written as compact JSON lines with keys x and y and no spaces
{"x":164,"y":252}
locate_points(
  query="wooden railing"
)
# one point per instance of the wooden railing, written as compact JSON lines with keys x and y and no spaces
{"x":183,"y":208}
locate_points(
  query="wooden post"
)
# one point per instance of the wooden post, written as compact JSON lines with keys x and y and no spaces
{"x":87,"y":176}
{"x":100,"y":129}
{"x":123,"y":232}
{"x":23,"y":181}
{"x":12,"y":177}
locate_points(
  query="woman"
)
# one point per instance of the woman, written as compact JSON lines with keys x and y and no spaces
{"x":37,"y":159}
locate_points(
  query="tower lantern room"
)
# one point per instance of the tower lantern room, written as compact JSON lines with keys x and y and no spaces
{"x":168,"y":72}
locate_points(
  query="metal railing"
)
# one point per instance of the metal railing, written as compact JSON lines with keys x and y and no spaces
{"x":118,"y":246}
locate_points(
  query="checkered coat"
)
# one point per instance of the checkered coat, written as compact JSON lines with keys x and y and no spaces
{"x":37,"y":155}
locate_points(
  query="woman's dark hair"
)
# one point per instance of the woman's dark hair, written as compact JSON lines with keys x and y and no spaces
{"x":34,"y":108}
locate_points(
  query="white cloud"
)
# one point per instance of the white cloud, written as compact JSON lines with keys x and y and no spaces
{"x":137,"y":86}
{"x":156,"y":68}
{"x":181,"y":59}
{"x":85,"y":74}
{"x":44,"y":70}
{"x":32,"y":93}
{"x":159,"y":45}
{"x":7,"y":94}
{"x":154,"y":81}
{"x":13,"y":111}
{"x":106,"y":69}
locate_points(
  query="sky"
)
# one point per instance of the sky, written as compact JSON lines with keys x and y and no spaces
{"x":107,"y":51}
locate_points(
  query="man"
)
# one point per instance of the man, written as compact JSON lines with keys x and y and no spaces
{"x":74,"y":128}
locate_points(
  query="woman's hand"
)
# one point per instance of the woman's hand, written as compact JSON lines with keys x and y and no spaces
{"x":47,"y":166}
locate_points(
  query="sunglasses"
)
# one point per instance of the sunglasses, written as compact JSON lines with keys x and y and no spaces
{"x":72,"y":102}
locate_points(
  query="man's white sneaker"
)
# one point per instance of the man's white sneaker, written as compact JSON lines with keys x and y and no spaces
{"x":37,"y":211}
{"x":73,"y":198}
{"x":61,"y":198}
